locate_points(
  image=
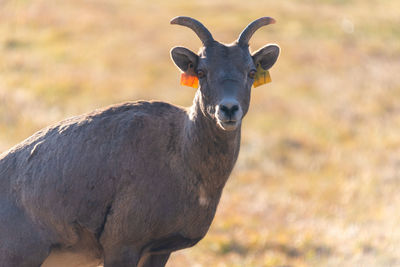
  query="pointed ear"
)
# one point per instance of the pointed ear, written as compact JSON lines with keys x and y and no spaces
{"x":266,"y":56}
{"x":185,"y":59}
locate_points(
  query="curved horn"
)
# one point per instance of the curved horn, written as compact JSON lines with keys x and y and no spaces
{"x":201,"y":31}
{"x":246,"y":34}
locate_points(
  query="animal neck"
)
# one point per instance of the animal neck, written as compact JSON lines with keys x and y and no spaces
{"x":209,"y":151}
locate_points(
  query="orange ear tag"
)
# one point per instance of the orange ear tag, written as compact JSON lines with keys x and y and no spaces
{"x":189,"y":80}
{"x":262,"y":76}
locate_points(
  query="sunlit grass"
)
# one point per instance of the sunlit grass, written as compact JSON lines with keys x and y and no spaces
{"x":316,"y":183}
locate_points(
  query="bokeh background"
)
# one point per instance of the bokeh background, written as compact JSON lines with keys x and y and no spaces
{"x":318,"y":177}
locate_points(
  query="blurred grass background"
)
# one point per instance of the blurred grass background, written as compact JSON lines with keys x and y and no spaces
{"x":318,"y":176}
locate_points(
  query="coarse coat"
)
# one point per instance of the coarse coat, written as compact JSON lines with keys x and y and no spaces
{"x":93,"y":173}
{"x":128,"y":184}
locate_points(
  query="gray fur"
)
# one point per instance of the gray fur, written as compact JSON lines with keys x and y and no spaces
{"x":131,"y":183}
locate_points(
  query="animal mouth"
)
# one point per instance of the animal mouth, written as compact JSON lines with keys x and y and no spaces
{"x":229,"y":125}
{"x":230,"y":122}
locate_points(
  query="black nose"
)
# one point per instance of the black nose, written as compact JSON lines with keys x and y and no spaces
{"x":229,"y":108}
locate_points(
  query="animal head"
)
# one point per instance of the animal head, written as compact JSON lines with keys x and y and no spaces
{"x":225,"y":72}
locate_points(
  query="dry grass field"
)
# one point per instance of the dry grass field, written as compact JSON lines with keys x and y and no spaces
{"x":318,"y":177}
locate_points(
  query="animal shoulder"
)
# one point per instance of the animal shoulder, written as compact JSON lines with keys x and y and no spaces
{"x":105,"y":121}
{"x":121,"y":115}
{"x":131,"y":109}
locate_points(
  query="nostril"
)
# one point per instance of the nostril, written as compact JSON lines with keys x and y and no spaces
{"x":224,"y":109}
{"x":234,"y":109}
{"x":229,"y":111}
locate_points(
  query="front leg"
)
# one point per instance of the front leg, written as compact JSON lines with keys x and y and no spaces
{"x":155,"y":260}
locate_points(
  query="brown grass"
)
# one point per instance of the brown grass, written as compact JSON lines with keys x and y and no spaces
{"x":318,"y":176}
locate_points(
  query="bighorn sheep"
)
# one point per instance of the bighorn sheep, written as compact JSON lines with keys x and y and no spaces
{"x":129,"y":184}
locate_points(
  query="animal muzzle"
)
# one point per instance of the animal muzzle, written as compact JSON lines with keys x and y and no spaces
{"x":229,"y":114}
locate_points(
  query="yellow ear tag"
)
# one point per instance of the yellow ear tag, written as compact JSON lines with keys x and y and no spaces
{"x":262,"y":76}
{"x":189,"y":80}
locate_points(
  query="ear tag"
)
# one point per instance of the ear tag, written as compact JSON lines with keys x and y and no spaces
{"x":189,"y":80}
{"x":262,"y":76}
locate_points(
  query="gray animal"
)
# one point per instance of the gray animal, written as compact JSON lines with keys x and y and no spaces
{"x":129,"y":184}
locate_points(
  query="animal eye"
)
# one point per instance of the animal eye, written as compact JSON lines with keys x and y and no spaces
{"x":252,"y":74}
{"x":200,"y":73}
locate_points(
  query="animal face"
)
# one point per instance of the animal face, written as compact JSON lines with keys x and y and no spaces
{"x":225,"y":72}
